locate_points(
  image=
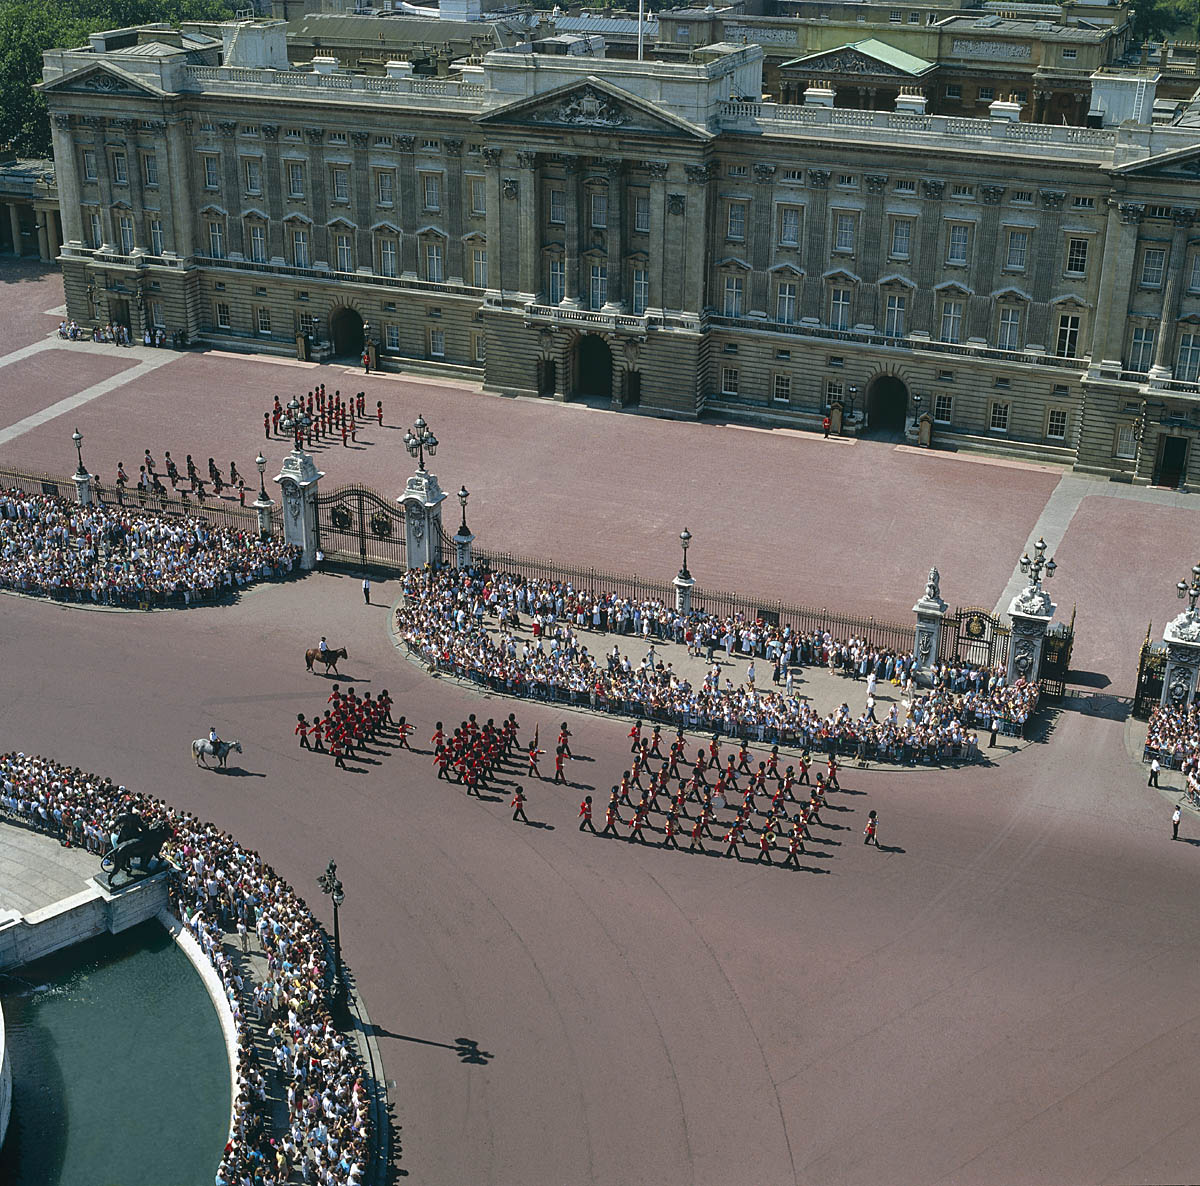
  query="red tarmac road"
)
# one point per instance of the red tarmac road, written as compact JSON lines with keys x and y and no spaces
{"x":1004,"y":994}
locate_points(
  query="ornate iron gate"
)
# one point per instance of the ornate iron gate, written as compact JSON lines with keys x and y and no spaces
{"x":973,"y":635}
{"x":356,"y":525}
{"x":1056,"y":658}
{"x":1152,"y":668}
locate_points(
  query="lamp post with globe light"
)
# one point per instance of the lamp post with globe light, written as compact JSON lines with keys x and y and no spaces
{"x":684,"y":582}
{"x":331,"y":885}
{"x":82,"y":479}
{"x":463,"y":537}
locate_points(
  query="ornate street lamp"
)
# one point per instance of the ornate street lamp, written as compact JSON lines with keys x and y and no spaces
{"x":916,"y":408}
{"x":853,"y":393}
{"x":77,"y":437}
{"x":419,"y":438}
{"x":295,"y":421}
{"x":331,"y":885}
{"x":463,"y":495}
{"x":685,"y":538}
{"x":1033,"y":568}
{"x":1190,"y":591}
{"x":261,"y":462}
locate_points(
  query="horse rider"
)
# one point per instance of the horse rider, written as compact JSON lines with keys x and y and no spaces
{"x":213,"y":739}
{"x":323,"y":646}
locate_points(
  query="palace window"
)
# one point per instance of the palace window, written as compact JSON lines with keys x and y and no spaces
{"x":253,"y":177}
{"x":735,"y":226}
{"x":1083,"y":203}
{"x":1187,"y":365}
{"x":735,"y":288}
{"x":956,"y":243}
{"x":432,"y":190}
{"x":479,"y":267}
{"x":641,"y":290}
{"x":785,"y":304}
{"x":641,"y":212}
{"x":264,"y":320}
{"x":1154,"y":265}
{"x":433,"y":262}
{"x":300,"y":247}
{"x":1077,"y":254}
{"x":599,"y":207}
{"x":345,"y":254}
{"x":437,"y":343}
{"x":210,"y":173}
{"x":295,"y":179}
{"x":789,"y":226}
{"x":478,"y":196}
{"x":894,"y":315}
{"x":149,"y":169}
{"x":834,"y":390}
{"x":950,"y":329}
{"x":781,"y":389}
{"x":729,"y":380}
{"x":341,"y":185}
{"x":126,"y":229}
{"x":962,"y":191}
{"x":1125,"y":446}
{"x":387,"y":256}
{"x":89,"y":165}
{"x":216,"y":240}
{"x":943,"y":406}
{"x":97,"y":237}
{"x":156,"y":236}
{"x":385,"y":188}
{"x":558,"y":206}
{"x":599,"y":286}
{"x":223,"y":320}
{"x":1068,"y":335}
{"x":558,"y":281}
{"x":998,"y":419}
{"x":1018,"y":251}
{"x":1023,"y":197}
{"x":1194,"y":273}
{"x":906,"y":186}
{"x":120,"y":172}
{"x":1008,"y":330}
{"x":392,"y":337}
{"x":1141,"y":348}
{"x":1056,"y":424}
{"x":953,"y":90}
{"x":839,"y":308}
{"x":901,"y":238}
{"x":843,"y":232}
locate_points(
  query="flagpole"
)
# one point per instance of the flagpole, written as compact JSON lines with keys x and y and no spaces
{"x":641,"y":11}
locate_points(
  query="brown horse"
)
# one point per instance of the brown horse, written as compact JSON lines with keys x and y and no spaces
{"x":329,"y":658}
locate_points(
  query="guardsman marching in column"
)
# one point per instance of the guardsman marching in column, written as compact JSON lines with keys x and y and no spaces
{"x":871,"y":832}
{"x":302,"y":730}
{"x":585,"y":816}
{"x":765,"y":840}
{"x":518,"y":804}
{"x":612,"y":816}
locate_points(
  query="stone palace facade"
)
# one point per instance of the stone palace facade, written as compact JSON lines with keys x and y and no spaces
{"x":648,"y":234}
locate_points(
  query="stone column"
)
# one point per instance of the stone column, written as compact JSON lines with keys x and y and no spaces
{"x":43,"y":238}
{"x":658,"y":233}
{"x":298,"y":479}
{"x":318,"y":204}
{"x":262,"y":507}
{"x":928,"y":261}
{"x":406,"y":145}
{"x":930,"y":611}
{"x":422,"y":502}
{"x":1116,"y":274}
{"x":456,"y":269}
{"x":1182,"y":636}
{"x":66,"y":177}
{"x":1165,"y":345}
{"x":273,"y":192}
{"x":183,"y":221}
{"x":462,"y":548}
{"x":699,"y":178}
{"x":572,"y":198}
{"x":493,"y":217}
{"x":684,"y":583}
{"x":83,"y":487}
{"x":1031,"y":612}
{"x":362,"y":181}
{"x":762,"y":233}
{"x":14,"y":220}
{"x":615,"y":235}
{"x":137,"y":193}
{"x":531,"y":225}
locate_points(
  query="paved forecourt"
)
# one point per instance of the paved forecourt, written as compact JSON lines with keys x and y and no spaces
{"x":954,"y":1007}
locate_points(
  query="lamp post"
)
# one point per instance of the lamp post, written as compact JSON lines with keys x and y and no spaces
{"x":262,"y":504}
{"x":330,"y":884}
{"x":685,"y":538}
{"x":463,"y":537}
{"x":853,"y":392}
{"x":77,"y":437}
{"x":419,"y":438}
{"x":463,"y":495}
{"x":295,"y":421}
{"x":1033,"y":568}
{"x":83,"y":480}
{"x":683,"y":582}
{"x":1190,"y":590}
{"x":261,"y":462}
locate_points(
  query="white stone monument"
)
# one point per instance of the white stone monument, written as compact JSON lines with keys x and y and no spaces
{"x":1182,"y":636}
{"x":930,"y":611}
{"x":422,"y":502}
{"x":297,"y":481}
{"x":1031,"y":612}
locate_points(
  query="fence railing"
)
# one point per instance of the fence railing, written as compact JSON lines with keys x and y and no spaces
{"x":897,"y":636}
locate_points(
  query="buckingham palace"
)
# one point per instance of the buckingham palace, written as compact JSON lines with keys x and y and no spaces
{"x":552,"y":222}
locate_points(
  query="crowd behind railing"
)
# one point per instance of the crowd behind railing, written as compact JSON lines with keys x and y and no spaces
{"x":1173,"y":737}
{"x":223,"y":892}
{"x":467,"y":623}
{"x":122,"y":556}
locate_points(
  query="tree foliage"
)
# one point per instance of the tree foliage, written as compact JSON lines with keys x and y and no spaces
{"x":28,"y":27}
{"x":1154,"y":20}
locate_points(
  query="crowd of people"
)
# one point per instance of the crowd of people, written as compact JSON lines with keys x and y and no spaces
{"x":224,"y":893}
{"x":111,"y":332}
{"x":117,"y":556}
{"x":468,"y":623}
{"x":1173,"y":737}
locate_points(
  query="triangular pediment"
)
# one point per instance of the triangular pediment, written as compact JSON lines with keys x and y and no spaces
{"x":1183,"y":163}
{"x":103,"y":79}
{"x":592,"y":105}
{"x":868,"y":57}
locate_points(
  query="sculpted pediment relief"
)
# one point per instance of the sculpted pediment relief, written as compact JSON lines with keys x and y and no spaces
{"x":100,"y":80}
{"x":850,"y":61}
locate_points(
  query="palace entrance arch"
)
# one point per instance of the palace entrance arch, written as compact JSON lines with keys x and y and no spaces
{"x":887,"y":406}
{"x":346,"y":332}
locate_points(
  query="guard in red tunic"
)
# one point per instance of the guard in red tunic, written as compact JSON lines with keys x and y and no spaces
{"x":532,"y":757}
{"x":518,"y":805}
{"x":635,"y":737}
{"x":612,"y":816}
{"x":626,"y":787}
{"x":635,"y":827}
{"x":697,"y":845}
{"x":831,"y":779}
{"x":743,"y":765}
{"x":560,"y":756}
{"x":302,"y":729}
{"x":585,"y":816}
{"x":733,"y":838}
{"x":765,"y":840}
{"x":871,"y":832}
{"x":656,"y":742}
{"x":564,"y":735}
{"x":670,"y":828}
{"x":405,"y":730}
{"x":335,"y":748}
{"x":315,"y":731}
{"x":773,"y":762}
{"x":804,"y":763}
